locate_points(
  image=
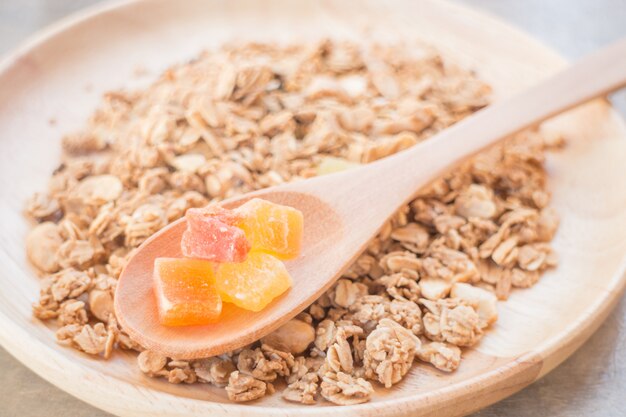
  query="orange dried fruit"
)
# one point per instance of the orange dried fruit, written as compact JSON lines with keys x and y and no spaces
{"x":212,"y":235}
{"x":253,"y":283}
{"x":186,"y":292}
{"x":272,"y":228}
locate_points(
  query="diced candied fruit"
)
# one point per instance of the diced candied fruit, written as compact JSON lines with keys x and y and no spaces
{"x":212,"y":235}
{"x":253,"y":283}
{"x":272,"y":228}
{"x":331,"y":165}
{"x":186,"y":292}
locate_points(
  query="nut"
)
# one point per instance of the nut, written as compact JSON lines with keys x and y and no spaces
{"x":42,"y":244}
{"x":295,"y":336}
{"x":101,"y":304}
{"x":485,"y":301}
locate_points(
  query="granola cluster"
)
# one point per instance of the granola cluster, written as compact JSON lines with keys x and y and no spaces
{"x":256,"y":115}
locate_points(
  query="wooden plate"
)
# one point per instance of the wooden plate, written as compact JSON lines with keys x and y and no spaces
{"x":62,"y":73}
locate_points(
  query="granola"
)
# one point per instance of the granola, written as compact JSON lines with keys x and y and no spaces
{"x":389,"y":352}
{"x":249,"y":116}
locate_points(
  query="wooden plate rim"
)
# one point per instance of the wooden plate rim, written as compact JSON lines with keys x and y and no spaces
{"x":536,"y":363}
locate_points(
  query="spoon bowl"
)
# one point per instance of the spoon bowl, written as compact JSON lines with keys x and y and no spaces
{"x":136,"y":307}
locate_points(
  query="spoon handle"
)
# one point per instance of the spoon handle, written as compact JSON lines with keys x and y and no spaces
{"x":595,"y":75}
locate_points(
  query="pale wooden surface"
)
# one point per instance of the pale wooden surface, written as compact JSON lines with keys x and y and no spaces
{"x":527,"y":405}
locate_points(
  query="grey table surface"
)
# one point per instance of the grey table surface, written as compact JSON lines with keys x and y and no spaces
{"x":591,"y":383}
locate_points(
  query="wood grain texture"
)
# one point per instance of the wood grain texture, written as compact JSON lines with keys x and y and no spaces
{"x":579,"y":294}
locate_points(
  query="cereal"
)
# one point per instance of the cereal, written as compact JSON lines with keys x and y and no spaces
{"x":443,"y":356}
{"x":255,"y":115}
{"x":214,"y":370}
{"x":243,"y":388}
{"x":389,"y":352}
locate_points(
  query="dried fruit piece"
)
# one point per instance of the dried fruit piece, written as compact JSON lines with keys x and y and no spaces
{"x":272,"y":228}
{"x":330,"y":165}
{"x":186,"y":292}
{"x":253,"y":283}
{"x":211,"y":235}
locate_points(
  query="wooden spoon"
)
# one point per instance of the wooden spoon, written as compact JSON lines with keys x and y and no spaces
{"x":344,"y":211}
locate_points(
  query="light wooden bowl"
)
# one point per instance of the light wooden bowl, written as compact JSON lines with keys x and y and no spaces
{"x":61,"y":74}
